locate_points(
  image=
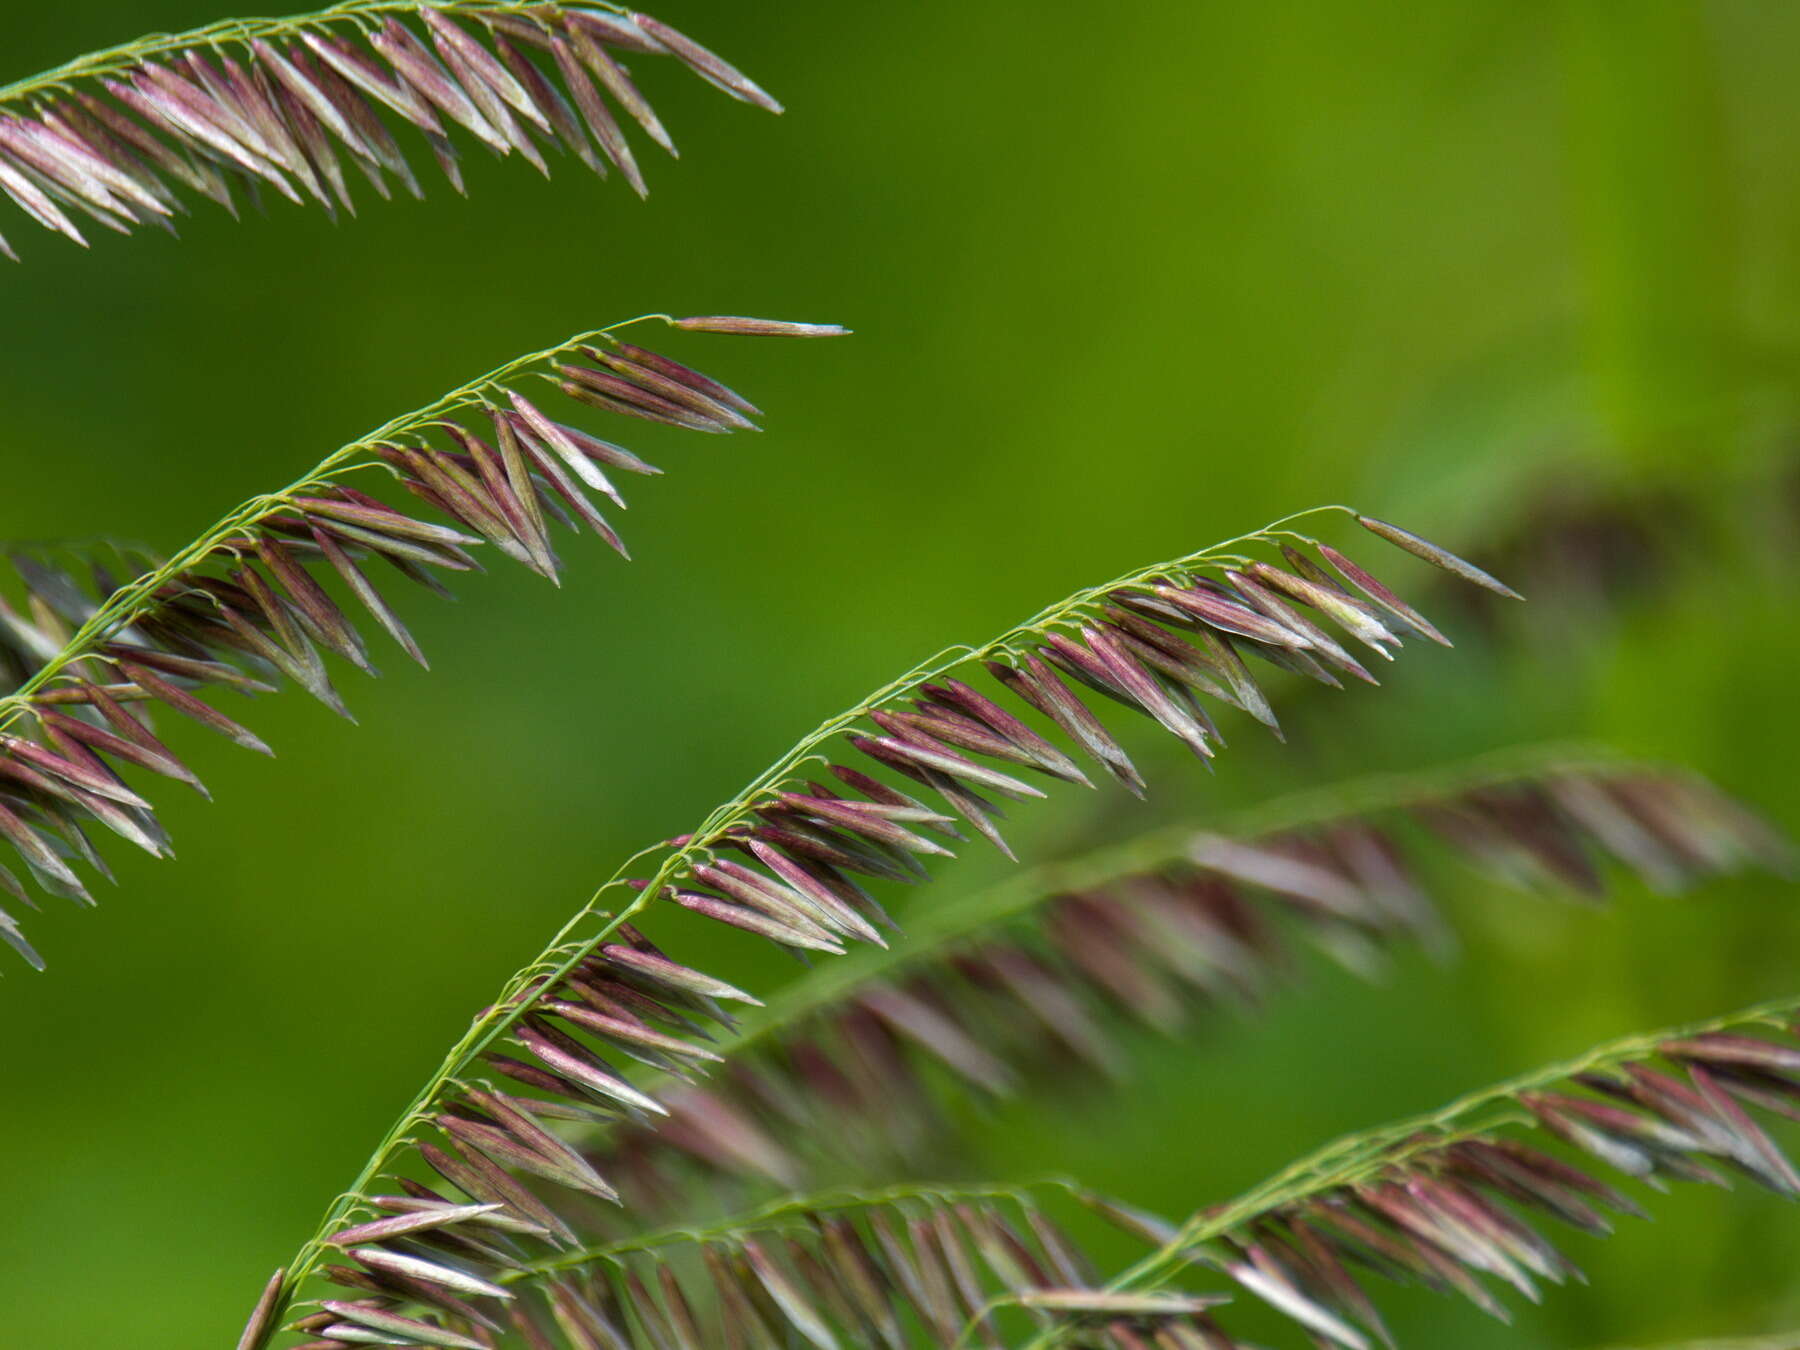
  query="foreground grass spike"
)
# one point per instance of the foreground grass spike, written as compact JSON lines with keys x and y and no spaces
{"x":1036,"y":974}
{"x":118,"y":138}
{"x":1458,"y":1201}
{"x":967,"y":1265}
{"x":247,"y":605}
{"x":1462,"y":1201}
{"x":783,"y":862}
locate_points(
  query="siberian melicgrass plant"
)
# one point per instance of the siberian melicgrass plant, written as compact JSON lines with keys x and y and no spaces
{"x":229,"y":110}
{"x":566,"y":1096}
{"x":616,"y":1153}
{"x":242,"y":604}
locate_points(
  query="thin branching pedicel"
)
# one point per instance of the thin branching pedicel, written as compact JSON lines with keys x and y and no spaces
{"x":781,"y":862}
{"x":298,"y":106}
{"x":242,"y":607}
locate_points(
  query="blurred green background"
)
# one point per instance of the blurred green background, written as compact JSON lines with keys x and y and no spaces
{"x":1125,"y":279}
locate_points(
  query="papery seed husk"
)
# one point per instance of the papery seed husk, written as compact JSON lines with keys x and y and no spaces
{"x":714,"y":68}
{"x":74,"y":167}
{"x":903,"y":807}
{"x":755,"y":921}
{"x":620,"y":394}
{"x":974,"y":703}
{"x":751,"y":888}
{"x":38,"y":854}
{"x":1724,"y":1048}
{"x":612,"y":75}
{"x":566,"y":1056}
{"x":518,"y":1120}
{"x":581,"y":452}
{"x":477,"y":79}
{"x":1321,"y":644}
{"x":377,"y":1230}
{"x":36,"y":204}
{"x":616,"y":1029}
{"x":369,"y":79}
{"x":1284,"y":1297}
{"x":672,"y":390}
{"x":136,"y":140}
{"x":911,"y":744}
{"x":1347,"y":612}
{"x":356,"y":508}
{"x":313,"y":603}
{"x":488,"y":1182}
{"x":262,"y":1318}
{"x":421,"y":70}
{"x":803,"y":881}
{"x":1038,"y":685}
{"x":1120,"y":1303}
{"x":567,"y":128}
{"x":71,"y":769}
{"x":485,"y":67}
{"x":1438,"y":557}
{"x":1756,"y":1152}
{"x":859,"y":818}
{"x":1230,"y":617}
{"x":746,"y":327}
{"x":151,"y":753}
{"x":787,"y":1296}
{"x":668,"y":972}
{"x":410,"y":1329}
{"x":293,"y":655}
{"x":179,"y":103}
{"x":1366,"y":582}
{"x":607,"y":452}
{"x":509,"y":481}
{"x":570,"y":55}
{"x":371,"y":599}
{"x":1110,"y":646}
{"x":380,"y":1258}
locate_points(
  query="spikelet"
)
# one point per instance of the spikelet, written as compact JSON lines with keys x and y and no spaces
{"x":300,"y":106}
{"x":98,"y":643}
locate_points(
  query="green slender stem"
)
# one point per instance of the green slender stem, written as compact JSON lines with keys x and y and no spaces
{"x":136,"y":599}
{"x":1357,"y":1158}
{"x":112,"y":60}
{"x":568,"y":948}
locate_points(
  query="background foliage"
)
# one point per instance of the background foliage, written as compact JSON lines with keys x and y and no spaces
{"x":1126,"y":280}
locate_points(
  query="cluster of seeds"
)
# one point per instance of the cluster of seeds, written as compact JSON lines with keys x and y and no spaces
{"x":854,"y":1086}
{"x":1453,"y":1207}
{"x":866,"y":1274}
{"x":249,"y":608}
{"x":1461,"y":1215}
{"x":287,"y":105}
{"x":789,"y":863}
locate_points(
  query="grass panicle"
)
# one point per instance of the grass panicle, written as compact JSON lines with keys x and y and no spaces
{"x":787,"y":861}
{"x":1462,"y":1201}
{"x":1031,"y":981}
{"x":302,"y":106}
{"x":1459,"y":1201}
{"x":246,"y":606}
